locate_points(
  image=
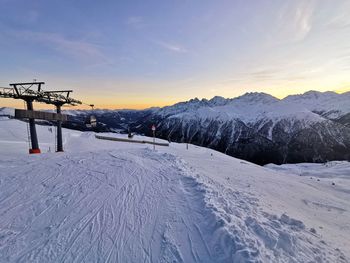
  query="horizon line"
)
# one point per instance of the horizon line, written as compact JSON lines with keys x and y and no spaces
{"x":150,"y":106}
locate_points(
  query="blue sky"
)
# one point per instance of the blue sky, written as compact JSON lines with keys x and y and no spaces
{"x":137,"y":54}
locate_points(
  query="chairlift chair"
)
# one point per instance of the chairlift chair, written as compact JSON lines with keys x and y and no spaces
{"x":91,"y":121}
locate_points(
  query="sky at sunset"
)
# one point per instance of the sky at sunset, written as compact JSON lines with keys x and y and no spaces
{"x":137,"y":54}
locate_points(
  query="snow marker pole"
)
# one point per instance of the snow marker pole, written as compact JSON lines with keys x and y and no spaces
{"x":154,"y":140}
{"x":154,"y":137}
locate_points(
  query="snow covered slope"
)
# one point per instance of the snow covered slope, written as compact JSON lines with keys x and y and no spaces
{"x":329,"y":104}
{"x":119,"y":202}
{"x":4,"y":111}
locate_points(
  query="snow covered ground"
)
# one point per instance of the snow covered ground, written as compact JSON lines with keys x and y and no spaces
{"x":121,"y":202}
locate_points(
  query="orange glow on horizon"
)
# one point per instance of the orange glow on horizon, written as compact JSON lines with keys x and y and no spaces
{"x":137,"y":104}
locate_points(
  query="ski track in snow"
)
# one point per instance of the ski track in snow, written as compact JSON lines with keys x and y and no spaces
{"x":100,"y":209}
{"x":139,"y":206}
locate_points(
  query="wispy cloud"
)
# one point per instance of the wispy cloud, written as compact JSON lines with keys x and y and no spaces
{"x":78,"y":49}
{"x":171,"y":46}
{"x":303,"y":19}
{"x":295,"y":20}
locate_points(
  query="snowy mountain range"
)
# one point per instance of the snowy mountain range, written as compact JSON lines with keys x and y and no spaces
{"x":310,"y":127}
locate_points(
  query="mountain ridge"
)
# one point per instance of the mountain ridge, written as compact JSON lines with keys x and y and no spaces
{"x":311,"y":127}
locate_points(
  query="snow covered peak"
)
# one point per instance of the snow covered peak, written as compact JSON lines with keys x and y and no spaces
{"x":312,"y":95}
{"x":329,"y":104}
{"x":180,"y":107}
{"x":213,"y":105}
{"x":249,"y":108}
{"x":316,"y":94}
{"x":218,"y":101}
{"x":256,"y":97}
{"x":195,"y":100}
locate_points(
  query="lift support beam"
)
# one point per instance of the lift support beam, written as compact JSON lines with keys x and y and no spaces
{"x":40,"y":115}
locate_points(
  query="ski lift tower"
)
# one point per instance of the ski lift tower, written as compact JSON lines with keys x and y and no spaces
{"x":25,"y":91}
{"x":28,"y":93}
{"x":60,"y":98}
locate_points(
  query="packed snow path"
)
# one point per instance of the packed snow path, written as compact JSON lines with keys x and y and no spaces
{"x":105,"y":207}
